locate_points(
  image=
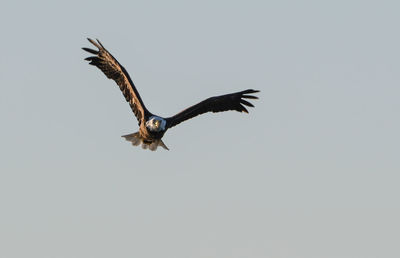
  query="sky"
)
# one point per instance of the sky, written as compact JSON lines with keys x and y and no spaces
{"x":311,"y":171}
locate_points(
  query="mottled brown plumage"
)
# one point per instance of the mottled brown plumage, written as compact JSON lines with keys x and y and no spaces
{"x":151,"y":127}
{"x":115,"y":71}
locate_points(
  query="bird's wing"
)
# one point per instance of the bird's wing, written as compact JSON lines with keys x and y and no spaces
{"x":233,"y":101}
{"x":114,"y":70}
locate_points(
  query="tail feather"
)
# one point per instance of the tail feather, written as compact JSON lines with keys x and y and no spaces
{"x":162,"y":144}
{"x":137,"y":140}
{"x":134,"y":138}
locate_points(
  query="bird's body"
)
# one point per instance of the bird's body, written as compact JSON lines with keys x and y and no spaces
{"x":152,"y":127}
{"x":150,"y":133}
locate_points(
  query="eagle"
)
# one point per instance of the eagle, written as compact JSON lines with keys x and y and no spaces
{"x":152,"y":127}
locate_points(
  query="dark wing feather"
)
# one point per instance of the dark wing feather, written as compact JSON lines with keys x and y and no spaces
{"x":233,"y":101}
{"x":114,"y":70}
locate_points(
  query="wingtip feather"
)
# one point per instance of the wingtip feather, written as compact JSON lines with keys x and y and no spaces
{"x":94,"y":43}
{"x":244,"y":102}
{"x":92,"y":51}
{"x":100,"y":43}
{"x":249,"y":91}
{"x":249,"y":97}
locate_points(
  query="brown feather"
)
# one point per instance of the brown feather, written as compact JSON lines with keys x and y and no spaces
{"x":115,"y":71}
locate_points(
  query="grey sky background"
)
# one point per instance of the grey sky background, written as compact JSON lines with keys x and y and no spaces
{"x":312,"y":171}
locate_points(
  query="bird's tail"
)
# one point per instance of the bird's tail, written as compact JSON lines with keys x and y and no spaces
{"x":137,"y":140}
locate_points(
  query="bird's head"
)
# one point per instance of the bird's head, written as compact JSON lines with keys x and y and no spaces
{"x":156,"y":124}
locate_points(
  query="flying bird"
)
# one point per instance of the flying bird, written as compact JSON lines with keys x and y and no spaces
{"x":152,"y":127}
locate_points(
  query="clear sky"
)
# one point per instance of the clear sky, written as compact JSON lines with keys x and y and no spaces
{"x":312,"y":171}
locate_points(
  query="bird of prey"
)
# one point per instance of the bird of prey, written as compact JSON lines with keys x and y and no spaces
{"x":152,"y":127}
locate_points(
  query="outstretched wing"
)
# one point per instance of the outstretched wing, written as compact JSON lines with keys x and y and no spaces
{"x":233,"y":101}
{"x":113,"y":70}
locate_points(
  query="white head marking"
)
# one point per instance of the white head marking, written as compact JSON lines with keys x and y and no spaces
{"x":156,"y":124}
